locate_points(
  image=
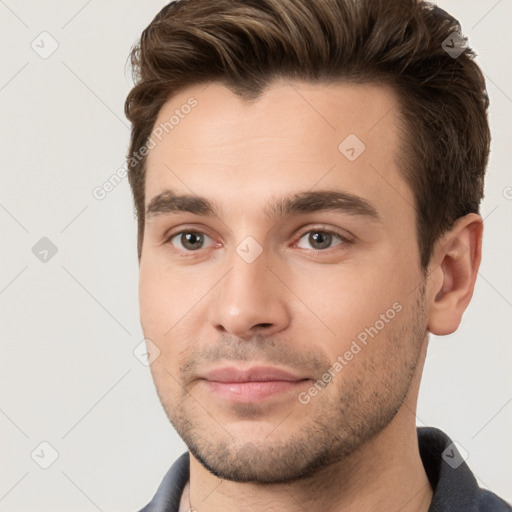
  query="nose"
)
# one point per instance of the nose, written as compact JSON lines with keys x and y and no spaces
{"x":250,"y":300}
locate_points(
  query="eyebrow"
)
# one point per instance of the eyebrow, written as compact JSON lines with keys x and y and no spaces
{"x":169,"y":202}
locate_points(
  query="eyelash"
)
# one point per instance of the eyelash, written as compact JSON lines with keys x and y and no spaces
{"x":344,"y":239}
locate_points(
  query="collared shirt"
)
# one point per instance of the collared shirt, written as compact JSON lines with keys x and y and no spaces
{"x":455,"y":487}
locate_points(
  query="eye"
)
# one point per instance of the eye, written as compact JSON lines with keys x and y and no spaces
{"x":321,"y":239}
{"x":188,"y":240}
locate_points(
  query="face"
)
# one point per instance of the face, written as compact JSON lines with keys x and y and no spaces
{"x":279,"y":276}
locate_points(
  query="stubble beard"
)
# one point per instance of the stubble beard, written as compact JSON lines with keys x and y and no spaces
{"x":339,"y":420}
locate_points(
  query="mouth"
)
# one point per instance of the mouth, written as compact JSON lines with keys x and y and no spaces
{"x":252,"y":384}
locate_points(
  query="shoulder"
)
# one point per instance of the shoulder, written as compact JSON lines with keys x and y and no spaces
{"x":487,"y":501}
{"x":454,"y":485}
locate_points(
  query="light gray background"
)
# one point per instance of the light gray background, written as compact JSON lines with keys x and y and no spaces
{"x":70,"y":325}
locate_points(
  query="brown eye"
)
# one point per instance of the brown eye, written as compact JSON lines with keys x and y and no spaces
{"x":320,"y":239}
{"x":189,"y":240}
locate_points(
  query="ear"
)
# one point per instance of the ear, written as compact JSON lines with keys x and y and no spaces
{"x":452,"y":274}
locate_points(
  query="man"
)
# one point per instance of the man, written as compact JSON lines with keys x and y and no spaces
{"x":307,"y":178}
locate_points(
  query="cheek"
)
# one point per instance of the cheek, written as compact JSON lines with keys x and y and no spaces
{"x":343,"y":302}
{"x":151,"y":301}
{"x":158,"y":314}
{"x":169,"y":313}
{"x":161,"y":301}
{"x":163,"y":294}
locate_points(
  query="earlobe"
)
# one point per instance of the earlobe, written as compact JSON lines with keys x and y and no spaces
{"x":453,"y":273}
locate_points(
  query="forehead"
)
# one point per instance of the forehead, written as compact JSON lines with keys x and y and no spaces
{"x":294,"y":137}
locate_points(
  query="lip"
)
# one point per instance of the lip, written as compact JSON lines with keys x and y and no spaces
{"x":251,"y":384}
{"x":252,"y":374}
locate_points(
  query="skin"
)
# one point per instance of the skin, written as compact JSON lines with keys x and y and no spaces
{"x":353,"y":446}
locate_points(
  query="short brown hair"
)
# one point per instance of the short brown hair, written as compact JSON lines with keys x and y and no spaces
{"x":245,"y":44}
